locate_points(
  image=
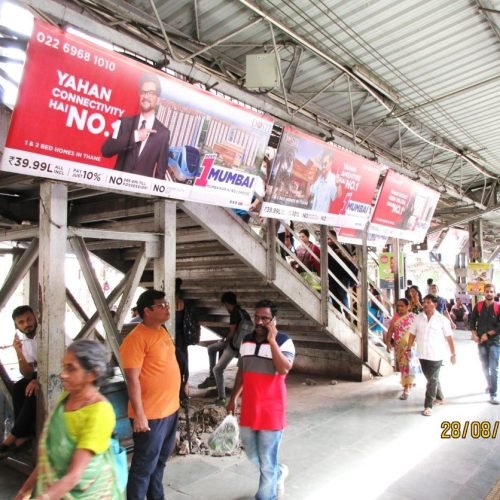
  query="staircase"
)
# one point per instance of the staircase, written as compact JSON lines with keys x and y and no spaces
{"x":218,"y":252}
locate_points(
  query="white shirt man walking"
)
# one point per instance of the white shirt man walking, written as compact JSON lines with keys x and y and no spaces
{"x":433,"y":334}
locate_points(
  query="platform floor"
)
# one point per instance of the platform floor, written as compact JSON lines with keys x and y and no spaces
{"x":359,"y":441}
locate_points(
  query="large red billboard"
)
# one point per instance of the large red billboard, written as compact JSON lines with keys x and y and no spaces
{"x":404,"y":208}
{"x":89,"y":115}
{"x":316,"y":182}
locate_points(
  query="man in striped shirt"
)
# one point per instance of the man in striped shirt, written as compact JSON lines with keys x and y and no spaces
{"x":266,"y":357}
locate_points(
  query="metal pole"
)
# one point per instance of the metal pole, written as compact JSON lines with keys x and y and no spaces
{"x":363,"y":295}
{"x":324,"y":273}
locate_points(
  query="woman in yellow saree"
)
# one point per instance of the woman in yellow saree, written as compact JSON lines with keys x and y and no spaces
{"x":397,"y":336}
{"x":75,"y":460}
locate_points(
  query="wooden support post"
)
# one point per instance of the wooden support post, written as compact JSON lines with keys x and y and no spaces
{"x":51,"y":337}
{"x":363,"y":296}
{"x":271,"y":250}
{"x":82,"y":254}
{"x":324,"y":273}
{"x":397,"y":271}
{"x":165,"y":213}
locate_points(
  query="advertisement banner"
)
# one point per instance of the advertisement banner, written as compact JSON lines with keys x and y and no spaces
{"x":479,"y":274}
{"x":386,"y":269}
{"x":404,"y":208}
{"x":316,"y":182}
{"x":88,"y":115}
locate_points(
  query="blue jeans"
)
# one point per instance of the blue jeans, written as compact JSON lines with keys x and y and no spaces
{"x":489,"y":354}
{"x":262,"y":449}
{"x":151,"y":451}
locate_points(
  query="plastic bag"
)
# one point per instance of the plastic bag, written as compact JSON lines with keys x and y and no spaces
{"x":226,"y":437}
{"x":414,"y":367}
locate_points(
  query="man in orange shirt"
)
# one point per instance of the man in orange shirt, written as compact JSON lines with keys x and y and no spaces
{"x":153,"y":380}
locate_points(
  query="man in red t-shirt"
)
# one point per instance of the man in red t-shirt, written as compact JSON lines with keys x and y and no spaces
{"x":266,"y":356}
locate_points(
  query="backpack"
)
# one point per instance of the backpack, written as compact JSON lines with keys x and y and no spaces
{"x":245,"y":327}
{"x":496,"y":308}
{"x":191,"y":325}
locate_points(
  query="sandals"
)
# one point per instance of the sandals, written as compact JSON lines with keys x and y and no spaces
{"x":427,"y":412}
{"x":404,"y":395}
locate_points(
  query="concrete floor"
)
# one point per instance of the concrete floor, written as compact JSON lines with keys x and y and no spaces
{"x":358,"y":441}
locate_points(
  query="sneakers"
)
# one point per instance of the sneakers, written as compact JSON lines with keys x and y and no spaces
{"x":208,"y":382}
{"x":427,"y":412}
{"x":494,"y":400}
{"x":220,"y":402}
{"x":280,"y":492}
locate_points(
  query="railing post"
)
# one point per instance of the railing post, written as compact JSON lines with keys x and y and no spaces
{"x":324,"y":273}
{"x":397,"y":271}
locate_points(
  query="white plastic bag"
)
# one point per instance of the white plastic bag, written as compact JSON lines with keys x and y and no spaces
{"x":226,"y":437}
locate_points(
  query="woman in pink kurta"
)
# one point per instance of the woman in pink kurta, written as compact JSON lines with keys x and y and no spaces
{"x":397,"y":336}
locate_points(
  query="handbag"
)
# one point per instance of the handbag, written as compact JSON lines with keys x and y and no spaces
{"x":121,"y":466}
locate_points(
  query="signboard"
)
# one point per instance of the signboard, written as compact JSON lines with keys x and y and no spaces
{"x":479,"y":274}
{"x":386,"y":269}
{"x":316,"y":182}
{"x":89,"y":115}
{"x":404,"y":208}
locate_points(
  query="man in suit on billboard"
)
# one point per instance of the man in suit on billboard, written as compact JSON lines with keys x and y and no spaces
{"x":142,"y":142}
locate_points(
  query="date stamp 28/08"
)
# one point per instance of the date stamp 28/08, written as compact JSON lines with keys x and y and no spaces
{"x":476,"y":429}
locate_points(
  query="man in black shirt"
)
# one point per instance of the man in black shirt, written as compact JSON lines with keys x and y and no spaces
{"x":485,"y":325}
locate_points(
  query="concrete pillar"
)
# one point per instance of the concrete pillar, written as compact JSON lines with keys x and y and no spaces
{"x":52,"y":251}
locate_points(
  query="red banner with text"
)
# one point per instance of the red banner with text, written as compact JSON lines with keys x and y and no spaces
{"x":88,"y":115}
{"x":404,"y":208}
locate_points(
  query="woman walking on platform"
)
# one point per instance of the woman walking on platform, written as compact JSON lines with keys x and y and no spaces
{"x":397,"y":336}
{"x":74,"y":457}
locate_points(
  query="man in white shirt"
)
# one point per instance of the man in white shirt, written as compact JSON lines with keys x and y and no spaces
{"x":325,"y":188}
{"x":433,"y":334}
{"x":24,"y":391}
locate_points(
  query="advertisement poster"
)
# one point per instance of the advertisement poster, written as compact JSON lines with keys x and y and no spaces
{"x":355,"y":237}
{"x":479,"y":274}
{"x":88,"y":115}
{"x":404,"y":208}
{"x":316,"y":182}
{"x":386,"y":269}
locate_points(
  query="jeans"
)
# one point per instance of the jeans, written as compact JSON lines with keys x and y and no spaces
{"x":24,"y":410}
{"x":151,"y":451}
{"x":262,"y":449}
{"x":431,"y":373}
{"x":225,"y":358}
{"x":489,"y":354}
{"x":213,"y":349}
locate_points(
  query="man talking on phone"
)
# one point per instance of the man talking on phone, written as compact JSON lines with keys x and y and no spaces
{"x":266,"y":357}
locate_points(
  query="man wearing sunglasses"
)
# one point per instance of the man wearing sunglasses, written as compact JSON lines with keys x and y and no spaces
{"x":266,"y":357}
{"x":153,"y":381}
{"x":142,"y":141}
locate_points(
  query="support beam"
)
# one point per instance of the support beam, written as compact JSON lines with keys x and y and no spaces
{"x":395,"y":253}
{"x":76,"y":307}
{"x":110,"y":300}
{"x":324,"y":273}
{"x":271,"y":250}
{"x":17,"y":272}
{"x":51,"y":337}
{"x":130,"y":288}
{"x":165,"y":221}
{"x":363,"y":296}
{"x":112,"y":338}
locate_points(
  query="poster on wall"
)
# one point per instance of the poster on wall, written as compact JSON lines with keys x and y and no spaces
{"x":479,"y":274}
{"x":314,"y":181}
{"x":386,"y":269}
{"x":404,"y":208}
{"x":88,"y":115}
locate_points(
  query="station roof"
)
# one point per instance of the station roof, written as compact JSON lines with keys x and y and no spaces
{"x":415,"y":85}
